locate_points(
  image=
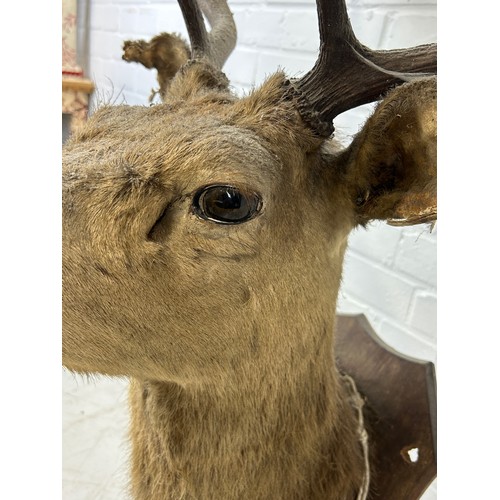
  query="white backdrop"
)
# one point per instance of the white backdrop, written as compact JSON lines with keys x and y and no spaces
{"x":390,"y":273}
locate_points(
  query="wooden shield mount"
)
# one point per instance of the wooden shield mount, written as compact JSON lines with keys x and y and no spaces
{"x":400,"y":410}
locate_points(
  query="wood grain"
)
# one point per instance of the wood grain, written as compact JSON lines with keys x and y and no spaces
{"x":400,"y":410}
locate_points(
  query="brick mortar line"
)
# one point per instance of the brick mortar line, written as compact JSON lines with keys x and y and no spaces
{"x":408,"y":279}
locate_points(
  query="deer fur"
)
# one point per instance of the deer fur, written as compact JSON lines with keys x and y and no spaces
{"x":166,"y":52}
{"x":227,"y":331}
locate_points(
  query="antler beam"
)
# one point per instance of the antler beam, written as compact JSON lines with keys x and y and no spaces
{"x":348,"y":74}
{"x":216,"y":46}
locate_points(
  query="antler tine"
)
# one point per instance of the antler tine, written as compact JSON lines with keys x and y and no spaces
{"x":348,"y":74}
{"x":195,"y":25}
{"x":216,"y":46}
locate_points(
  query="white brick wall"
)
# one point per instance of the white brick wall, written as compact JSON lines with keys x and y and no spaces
{"x":390,"y":273}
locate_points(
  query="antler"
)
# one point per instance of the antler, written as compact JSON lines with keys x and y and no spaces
{"x":216,"y":46}
{"x":348,"y":74}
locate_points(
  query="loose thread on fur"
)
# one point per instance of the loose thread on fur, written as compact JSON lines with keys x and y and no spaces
{"x":357,"y":403}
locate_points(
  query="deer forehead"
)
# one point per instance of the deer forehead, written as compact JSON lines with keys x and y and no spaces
{"x":136,"y":146}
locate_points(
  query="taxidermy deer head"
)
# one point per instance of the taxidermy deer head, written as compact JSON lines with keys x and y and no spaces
{"x":203,"y":241}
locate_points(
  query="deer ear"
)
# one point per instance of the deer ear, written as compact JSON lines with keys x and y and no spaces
{"x":391,"y":164}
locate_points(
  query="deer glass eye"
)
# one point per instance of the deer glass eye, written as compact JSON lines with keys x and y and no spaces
{"x":226,"y":204}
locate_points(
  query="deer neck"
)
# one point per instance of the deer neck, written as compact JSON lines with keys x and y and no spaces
{"x":267,"y":428}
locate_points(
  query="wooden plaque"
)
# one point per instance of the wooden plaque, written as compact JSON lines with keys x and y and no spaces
{"x":400,"y":410}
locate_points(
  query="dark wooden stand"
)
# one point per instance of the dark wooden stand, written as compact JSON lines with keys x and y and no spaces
{"x":400,"y":410}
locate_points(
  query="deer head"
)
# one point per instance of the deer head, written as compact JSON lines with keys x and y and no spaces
{"x":203,"y":237}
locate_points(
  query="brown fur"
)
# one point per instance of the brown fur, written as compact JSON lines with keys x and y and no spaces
{"x":227,"y":332}
{"x":165,"y":52}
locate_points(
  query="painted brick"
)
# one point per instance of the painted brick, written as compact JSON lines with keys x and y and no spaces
{"x":120,"y":80}
{"x":128,"y":2}
{"x":402,"y":338}
{"x":410,"y":28}
{"x":168,"y":17}
{"x":93,"y":454}
{"x":293,"y":65}
{"x":400,"y":4}
{"x":128,"y":19}
{"x":300,"y":31}
{"x":377,"y":287}
{"x":378,"y":242}
{"x":96,"y":68}
{"x":105,"y":17}
{"x":368,"y":25}
{"x":104,"y":45}
{"x":143,"y":80}
{"x":241,"y":66}
{"x":347,"y":304}
{"x":259,"y":3}
{"x":149,"y":21}
{"x":146,"y":21}
{"x":423,"y":314}
{"x":259,"y":28}
{"x":416,"y":256}
{"x":284,"y":4}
